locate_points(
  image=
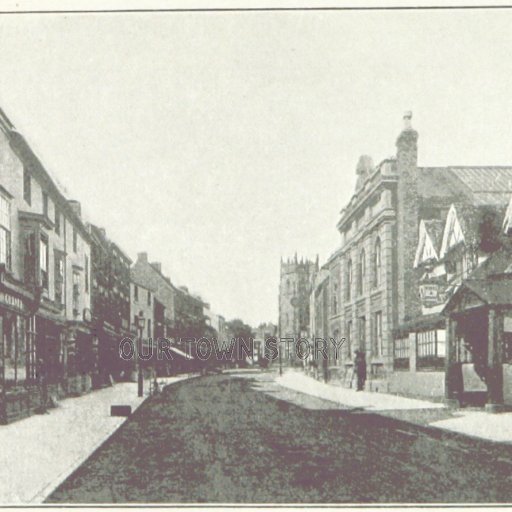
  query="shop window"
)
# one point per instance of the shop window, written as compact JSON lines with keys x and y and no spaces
{"x":401,"y":354}
{"x":14,"y":350}
{"x":430,"y":348}
{"x":5,"y":231}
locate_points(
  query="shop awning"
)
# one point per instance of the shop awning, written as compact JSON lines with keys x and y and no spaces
{"x":180,"y":353}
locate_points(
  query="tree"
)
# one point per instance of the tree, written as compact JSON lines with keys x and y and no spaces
{"x":243,"y":336}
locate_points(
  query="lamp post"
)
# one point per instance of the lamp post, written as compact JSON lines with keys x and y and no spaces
{"x":280,"y":360}
{"x":140,"y":323}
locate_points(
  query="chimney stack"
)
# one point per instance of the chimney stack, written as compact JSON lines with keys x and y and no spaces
{"x":407,"y":143}
{"x":76,"y":207}
{"x":142,"y":257}
{"x":157,"y":266}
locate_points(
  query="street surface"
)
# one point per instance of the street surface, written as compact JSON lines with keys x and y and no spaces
{"x":239,"y":438}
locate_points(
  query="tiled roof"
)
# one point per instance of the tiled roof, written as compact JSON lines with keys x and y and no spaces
{"x":490,"y":185}
{"x":485,"y":179}
{"x":437,"y":182}
{"x":492,"y":291}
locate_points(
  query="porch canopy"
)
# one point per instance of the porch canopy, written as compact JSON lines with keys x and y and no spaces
{"x":477,"y":312}
{"x":474,"y":293}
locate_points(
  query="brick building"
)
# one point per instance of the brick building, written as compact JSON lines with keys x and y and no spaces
{"x":110,"y":302}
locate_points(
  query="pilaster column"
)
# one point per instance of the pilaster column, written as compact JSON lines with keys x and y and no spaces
{"x":450,"y":384}
{"x":495,"y":379}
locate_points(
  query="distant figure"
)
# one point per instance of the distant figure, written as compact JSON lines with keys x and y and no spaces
{"x":360,"y":369}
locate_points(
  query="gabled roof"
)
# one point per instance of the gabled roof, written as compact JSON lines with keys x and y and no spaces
{"x":489,"y":185}
{"x":434,"y":229}
{"x":135,"y":280}
{"x":507,"y":220}
{"x":492,"y":291}
{"x":468,"y":218}
{"x":430,"y":232}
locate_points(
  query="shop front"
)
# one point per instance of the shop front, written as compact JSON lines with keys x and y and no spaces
{"x":16,"y":375}
{"x":82,"y":347}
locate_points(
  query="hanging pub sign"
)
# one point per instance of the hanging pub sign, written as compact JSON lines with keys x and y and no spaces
{"x":11,"y":301}
{"x":429,"y":294}
{"x":507,"y":323}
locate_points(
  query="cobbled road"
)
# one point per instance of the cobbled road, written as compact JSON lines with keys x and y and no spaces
{"x":225,"y":438}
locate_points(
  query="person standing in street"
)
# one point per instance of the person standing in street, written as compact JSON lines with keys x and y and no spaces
{"x":360,"y":369}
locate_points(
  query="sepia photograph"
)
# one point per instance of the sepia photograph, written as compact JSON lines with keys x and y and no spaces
{"x":255,"y":254}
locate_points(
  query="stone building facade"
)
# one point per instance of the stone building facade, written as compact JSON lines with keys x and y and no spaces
{"x":150,"y":276}
{"x":45,"y":288}
{"x":380,"y":233}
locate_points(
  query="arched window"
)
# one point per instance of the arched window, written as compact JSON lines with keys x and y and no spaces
{"x":349,"y":280}
{"x":362,"y":272}
{"x":335,"y":299}
{"x":377,"y":263}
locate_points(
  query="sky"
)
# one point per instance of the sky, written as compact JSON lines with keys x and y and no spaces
{"x":221,"y":142}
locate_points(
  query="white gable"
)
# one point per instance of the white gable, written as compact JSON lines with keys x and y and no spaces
{"x":452,"y":234}
{"x":425,"y":249}
{"x":507,"y":222}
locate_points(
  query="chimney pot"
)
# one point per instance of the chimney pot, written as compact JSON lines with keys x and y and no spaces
{"x":407,"y":120}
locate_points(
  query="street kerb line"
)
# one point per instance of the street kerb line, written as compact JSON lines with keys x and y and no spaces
{"x":43,"y":493}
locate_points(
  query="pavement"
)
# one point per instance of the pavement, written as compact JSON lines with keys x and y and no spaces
{"x":41,"y":451}
{"x":470,"y":422}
